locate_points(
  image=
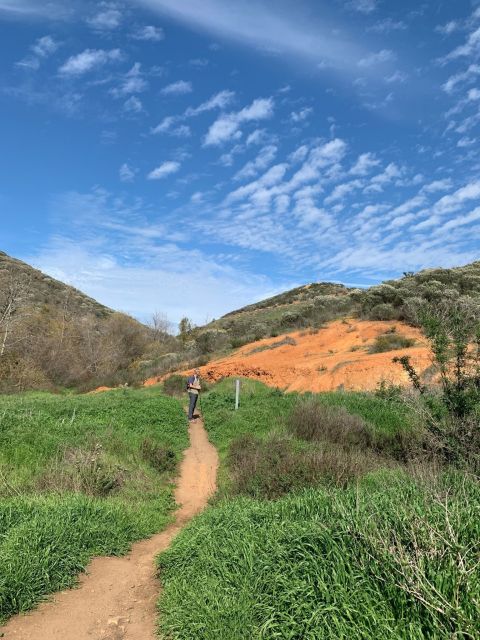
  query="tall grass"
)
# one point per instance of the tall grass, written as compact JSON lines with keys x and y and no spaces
{"x":80,"y":476}
{"x":383,"y":559}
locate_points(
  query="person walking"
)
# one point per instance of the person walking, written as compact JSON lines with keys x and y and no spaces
{"x":193,"y":387}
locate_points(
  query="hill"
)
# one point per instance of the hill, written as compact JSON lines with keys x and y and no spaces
{"x":52,"y":335}
{"x":311,"y":305}
{"x":38,"y":290}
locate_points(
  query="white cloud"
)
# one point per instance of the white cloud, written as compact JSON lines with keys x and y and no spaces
{"x":300,"y":116}
{"x":470,"y":48}
{"x":460,"y":78}
{"x":454,"y":201}
{"x":149,"y":33}
{"x":219,"y":100}
{"x":438,"y":185}
{"x":387,"y":25}
{"x":107,"y":19}
{"x":165,"y":169}
{"x":380,"y":57}
{"x":448,"y":28}
{"x":362,"y":6}
{"x":181,"y":87}
{"x":132,"y":82}
{"x":465,"y":141}
{"x":365,"y":162}
{"x":127,"y":173}
{"x":43,"y":48}
{"x":227,"y":126}
{"x":396,"y":76}
{"x":342,"y":190}
{"x":133,"y":105}
{"x":264,"y":158}
{"x":88,"y":60}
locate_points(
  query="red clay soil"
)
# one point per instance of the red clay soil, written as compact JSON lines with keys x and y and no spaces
{"x":335,"y":357}
{"x":117,"y":596}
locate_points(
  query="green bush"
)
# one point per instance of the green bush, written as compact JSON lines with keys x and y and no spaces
{"x":175,"y":385}
{"x":390,"y":342}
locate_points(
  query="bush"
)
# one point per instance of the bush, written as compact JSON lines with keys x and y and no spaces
{"x":314,"y":421}
{"x":390,"y":342}
{"x":175,"y":385}
{"x":159,"y":457}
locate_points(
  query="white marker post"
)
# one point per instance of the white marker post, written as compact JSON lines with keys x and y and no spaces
{"x":237,"y":393}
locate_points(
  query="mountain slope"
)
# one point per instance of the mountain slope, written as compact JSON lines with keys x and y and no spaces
{"x":40,"y":290}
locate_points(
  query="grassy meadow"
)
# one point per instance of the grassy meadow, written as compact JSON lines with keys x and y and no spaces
{"x":331,"y":521}
{"x":80,"y":476}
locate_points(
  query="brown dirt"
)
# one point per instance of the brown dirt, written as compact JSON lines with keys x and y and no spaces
{"x":335,"y":357}
{"x":116,"y":598}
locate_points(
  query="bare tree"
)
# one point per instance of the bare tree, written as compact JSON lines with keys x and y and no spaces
{"x":13,"y":291}
{"x":160,"y":326}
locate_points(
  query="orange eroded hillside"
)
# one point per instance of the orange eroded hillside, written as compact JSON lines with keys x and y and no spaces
{"x":335,"y":357}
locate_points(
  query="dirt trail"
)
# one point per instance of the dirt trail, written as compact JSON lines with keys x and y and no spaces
{"x":116,"y":598}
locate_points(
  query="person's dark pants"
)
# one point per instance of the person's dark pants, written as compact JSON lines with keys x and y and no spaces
{"x":193,"y":403}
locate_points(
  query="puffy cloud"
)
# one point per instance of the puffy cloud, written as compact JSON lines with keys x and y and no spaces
{"x":264,"y":158}
{"x":133,"y":82}
{"x":165,"y":169}
{"x":460,"y":78}
{"x":181,"y":87}
{"x":380,"y":57}
{"x":106,"y":20}
{"x":300,"y":116}
{"x":127,"y":173}
{"x":227,"y":126}
{"x":365,"y":162}
{"x":89,"y":60}
{"x":133,"y":105}
{"x":42,"y":49}
{"x":149,"y":33}
{"x":219,"y":100}
{"x":362,"y":6}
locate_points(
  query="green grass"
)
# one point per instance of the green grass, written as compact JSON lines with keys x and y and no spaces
{"x":384,"y":559}
{"x":380,"y":556}
{"x":263,"y":409}
{"x":54,"y":450}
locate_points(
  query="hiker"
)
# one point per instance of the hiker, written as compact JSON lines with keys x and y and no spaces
{"x":193,"y":388}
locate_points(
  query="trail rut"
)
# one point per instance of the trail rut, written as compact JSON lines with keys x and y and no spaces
{"x":116,"y":597}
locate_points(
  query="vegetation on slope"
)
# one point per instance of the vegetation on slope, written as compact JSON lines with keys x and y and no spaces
{"x":80,"y":476}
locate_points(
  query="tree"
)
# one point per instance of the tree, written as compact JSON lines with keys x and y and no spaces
{"x":160,"y":326}
{"x":185,"y":327}
{"x":13,"y":291}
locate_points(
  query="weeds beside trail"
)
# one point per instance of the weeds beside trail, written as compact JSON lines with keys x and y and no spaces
{"x":365,"y":536}
{"x":80,"y":476}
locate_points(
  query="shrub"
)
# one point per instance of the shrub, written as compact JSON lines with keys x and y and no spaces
{"x":175,"y":385}
{"x":383,"y":311}
{"x":315,"y":422}
{"x":390,"y":341}
{"x":159,"y":457}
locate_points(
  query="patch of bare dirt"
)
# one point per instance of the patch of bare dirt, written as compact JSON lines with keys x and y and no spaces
{"x":116,"y":597}
{"x":335,"y":357}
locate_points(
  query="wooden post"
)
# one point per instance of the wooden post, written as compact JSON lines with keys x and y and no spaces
{"x":237,"y":393}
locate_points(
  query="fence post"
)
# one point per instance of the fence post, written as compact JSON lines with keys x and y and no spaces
{"x":237,"y":393}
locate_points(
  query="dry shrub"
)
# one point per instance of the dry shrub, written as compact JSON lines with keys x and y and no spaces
{"x":82,"y":471}
{"x":175,"y":385}
{"x":159,"y":457}
{"x":273,"y":467}
{"x":315,"y":422}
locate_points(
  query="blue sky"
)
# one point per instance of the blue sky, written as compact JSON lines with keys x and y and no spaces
{"x":191,"y":157}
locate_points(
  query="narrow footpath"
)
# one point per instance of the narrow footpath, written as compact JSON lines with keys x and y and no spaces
{"x":116,"y":598}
